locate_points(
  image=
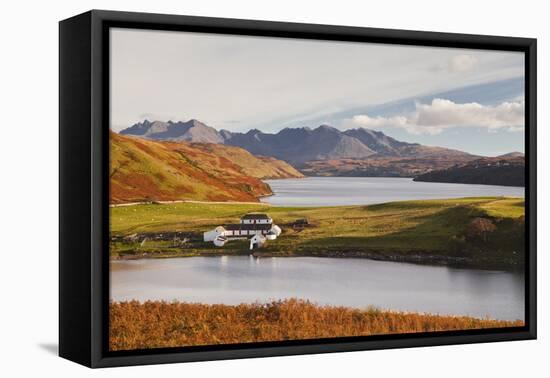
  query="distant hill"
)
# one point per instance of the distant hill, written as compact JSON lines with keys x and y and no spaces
{"x":508,"y":170}
{"x":381,"y":166}
{"x":151,"y":170}
{"x":512,"y":155}
{"x":304,"y":147}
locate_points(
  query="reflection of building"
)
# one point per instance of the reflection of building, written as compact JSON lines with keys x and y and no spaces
{"x":259,"y":227}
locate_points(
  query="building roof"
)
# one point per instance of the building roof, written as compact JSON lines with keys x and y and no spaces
{"x":255,"y":216}
{"x":253,"y":227}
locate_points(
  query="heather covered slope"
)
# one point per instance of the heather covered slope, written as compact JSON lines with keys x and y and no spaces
{"x":262,"y":167}
{"x":145,"y":170}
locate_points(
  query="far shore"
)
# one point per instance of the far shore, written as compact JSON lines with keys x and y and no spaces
{"x":415,"y":257}
{"x":124,"y":204}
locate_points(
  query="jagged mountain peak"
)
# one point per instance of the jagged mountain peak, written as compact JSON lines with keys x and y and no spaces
{"x":325,"y":127}
{"x":192,"y":130}
{"x":295,"y":145}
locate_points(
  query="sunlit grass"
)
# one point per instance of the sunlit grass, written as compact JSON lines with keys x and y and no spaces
{"x":426,"y":226}
{"x":505,"y":208}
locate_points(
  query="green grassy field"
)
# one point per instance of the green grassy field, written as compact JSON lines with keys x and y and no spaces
{"x":430,"y":231}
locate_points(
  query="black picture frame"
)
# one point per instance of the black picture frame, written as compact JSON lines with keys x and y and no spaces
{"x":84,"y":186}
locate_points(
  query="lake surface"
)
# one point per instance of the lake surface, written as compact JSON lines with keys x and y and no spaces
{"x":348,"y":282}
{"x":335,"y":191}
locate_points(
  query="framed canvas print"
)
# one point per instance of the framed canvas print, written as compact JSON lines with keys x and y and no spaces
{"x":234,"y":188}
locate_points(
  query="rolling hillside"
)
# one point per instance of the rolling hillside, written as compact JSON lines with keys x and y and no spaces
{"x":146,"y":170}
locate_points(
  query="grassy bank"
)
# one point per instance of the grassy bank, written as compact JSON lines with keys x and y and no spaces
{"x":135,"y":325}
{"x":482,"y":232}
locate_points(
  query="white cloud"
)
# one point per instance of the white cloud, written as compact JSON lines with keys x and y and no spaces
{"x":462,"y":63}
{"x":443,"y":114}
{"x":379,"y":122}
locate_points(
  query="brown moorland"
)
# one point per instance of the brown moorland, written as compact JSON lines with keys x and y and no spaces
{"x":135,"y":325}
{"x":385,"y":166}
{"x":144,"y":170}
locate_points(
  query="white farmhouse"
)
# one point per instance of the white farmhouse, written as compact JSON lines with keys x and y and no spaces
{"x":256,"y":219}
{"x":257,"y":227}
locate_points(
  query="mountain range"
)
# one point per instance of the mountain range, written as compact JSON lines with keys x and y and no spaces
{"x":301,"y":146}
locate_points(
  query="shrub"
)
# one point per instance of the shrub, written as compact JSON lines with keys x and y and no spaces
{"x":480,"y":228}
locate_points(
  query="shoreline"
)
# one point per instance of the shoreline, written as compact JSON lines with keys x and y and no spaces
{"x":436,"y":260}
{"x":409,"y":258}
{"x":127,"y":204}
{"x":168,"y":202}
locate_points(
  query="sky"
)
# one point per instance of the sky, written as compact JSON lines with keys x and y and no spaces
{"x":472,"y":100}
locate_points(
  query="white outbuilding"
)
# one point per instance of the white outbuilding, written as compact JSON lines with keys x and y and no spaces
{"x":220,"y":241}
{"x":276,"y":230}
{"x":257,"y":241}
{"x":213,"y":234}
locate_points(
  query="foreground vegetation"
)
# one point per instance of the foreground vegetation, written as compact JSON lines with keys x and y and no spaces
{"x":135,"y":325}
{"x":477,"y":232}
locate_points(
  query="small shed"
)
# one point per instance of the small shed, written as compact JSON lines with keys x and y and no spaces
{"x":299,"y":224}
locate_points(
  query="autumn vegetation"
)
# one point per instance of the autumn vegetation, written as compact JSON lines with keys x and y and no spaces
{"x":135,"y":325}
{"x":147,"y":171}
